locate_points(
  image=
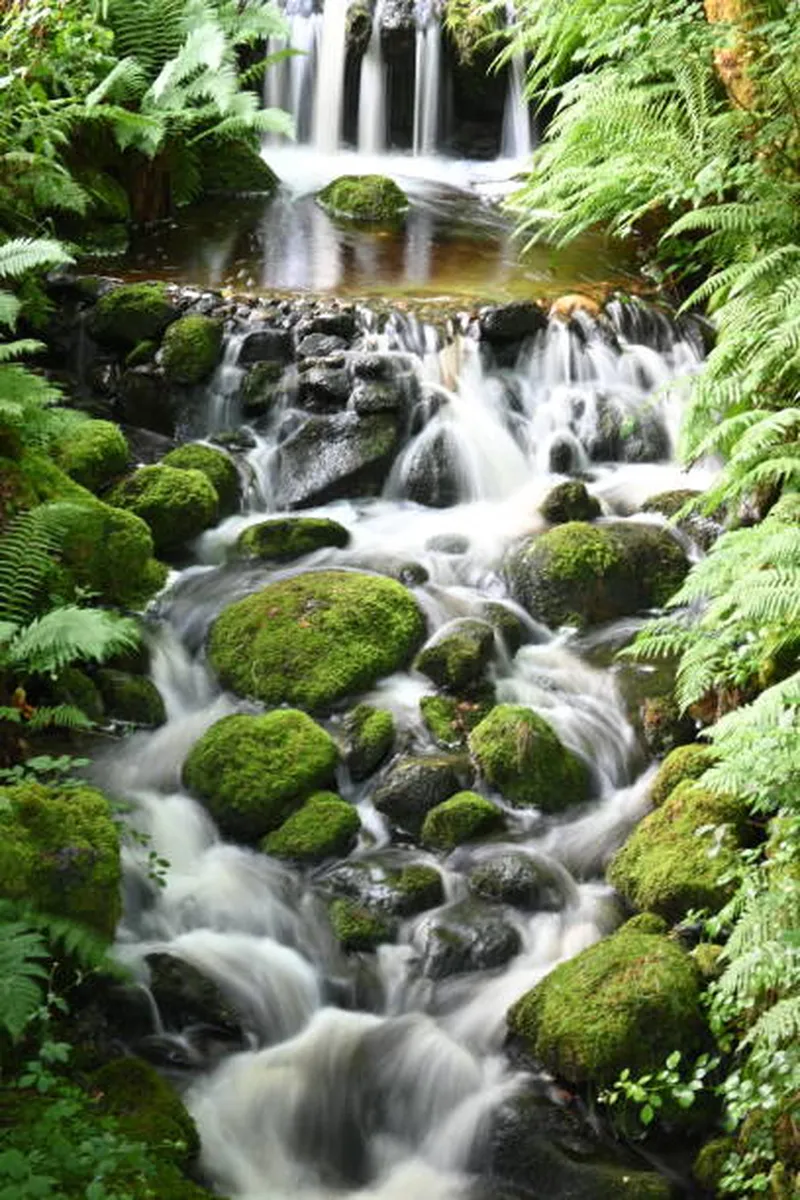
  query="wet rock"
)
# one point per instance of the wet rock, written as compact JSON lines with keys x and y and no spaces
{"x":320,"y":345}
{"x":569,"y":502}
{"x":356,"y":928}
{"x":562,"y":457}
{"x":664,"y":726}
{"x":463,"y":818}
{"x":185,"y":996}
{"x":325,"y":827}
{"x":623,"y":436}
{"x":131,"y":313}
{"x":449,"y":719}
{"x":320,"y":388}
{"x":144,"y":400}
{"x":369,"y":737}
{"x":448,"y":543}
{"x":383,"y":889}
{"x":521,"y":756}
{"x":684,"y":762}
{"x":432,"y":475}
{"x":358,"y":27}
{"x":411,"y":574}
{"x":334,"y":456}
{"x":379,"y":396}
{"x":467,"y":937}
{"x":234,"y":439}
{"x":507,"y":624}
{"x":381,"y":367}
{"x":132,"y":698}
{"x":218,"y":467}
{"x":416,"y":785}
{"x":701,"y":529}
{"x":261,"y":388}
{"x":458,"y":656}
{"x":514,"y":878}
{"x":284,"y":539}
{"x":341,"y":324}
{"x":266,"y":345}
{"x":511,"y":322}
{"x":369,"y":199}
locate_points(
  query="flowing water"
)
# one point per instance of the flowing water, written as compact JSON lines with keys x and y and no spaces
{"x":370,"y":1076}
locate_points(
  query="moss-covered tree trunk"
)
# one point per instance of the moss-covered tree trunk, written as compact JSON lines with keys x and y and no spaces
{"x":731,"y":61}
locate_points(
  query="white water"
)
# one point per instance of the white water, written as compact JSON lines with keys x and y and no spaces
{"x":427,"y":67}
{"x":517,"y":141}
{"x":372,"y":92}
{"x":329,"y":93}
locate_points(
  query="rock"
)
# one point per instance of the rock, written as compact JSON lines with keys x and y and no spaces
{"x":520,"y":755}
{"x":372,"y":199}
{"x":185,"y":996}
{"x":239,"y":171}
{"x":448,"y":543}
{"x":330,"y":457}
{"x":234,"y":439}
{"x":325,"y":827}
{"x":59,"y":852}
{"x":176,"y":504}
{"x":432,"y":476}
{"x":253,"y":772}
{"x":109,"y":552}
{"x":369,"y":737}
{"x":569,"y":502}
{"x":710,"y":962}
{"x":191,"y":349}
{"x":467,"y":937}
{"x":449,"y":720}
{"x":71,"y":686}
{"x":218,"y":467}
{"x":370,"y":396}
{"x":322,"y":346}
{"x":131,"y":698}
{"x":582,"y":574}
{"x":416,"y":785}
{"x":683,"y":855}
{"x":380,"y":888}
{"x":315,"y":638}
{"x":511,"y":322}
{"x":684,"y":762}
{"x":266,"y":344}
{"x":624,"y":1003}
{"x":359,"y":27}
{"x":92,"y":453}
{"x":144,"y":400}
{"x":701,"y":529}
{"x":566,"y":306}
{"x":320,"y":388}
{"x":341,"y":323}
{"x":506,"y":624}
{"x":419,"y":887}
{"x":380,"y":367}
{"x":458,"y":656}
{"x":284,"y":539}
{"x":463,"y":818}
{"x":132,"y":313}
{"x":355,"y":928}
{"x":514,"y":878}
{"x":146,"y":1109}
{"x":664,"y":726}
{"x":262,"y":388}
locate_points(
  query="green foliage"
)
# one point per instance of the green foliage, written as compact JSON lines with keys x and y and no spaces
{"x":646,"y":1097}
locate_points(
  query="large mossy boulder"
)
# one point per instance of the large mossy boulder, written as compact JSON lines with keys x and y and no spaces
{"x":625,"y":1002}
{"x":133,"y":313}
{"x":315,"y":638}
{"x":146,"y":1108}
{"x":682,"y":856}
{"x":191,"y":349}
{"x":581,"y":574}
{"x":109,"y":552}
{"x":59,"y":852}
{"x":416,"y":784}
{"x":372,"y":199}
{"x":283,"y":539}
{"x":176,"y":504}
{"x":93,"y":453}
{"x":684,"y":762}
{"x":218,"y":467}
{"x":238,"y":171}
{"x":521,"y":756}
{"x":463,"y":818}
{"x":133,"y":698}
{"x":253,"y":772}
{"x":458,"y":656}
{"x":325,"y":827}
{"x":369,"y":737}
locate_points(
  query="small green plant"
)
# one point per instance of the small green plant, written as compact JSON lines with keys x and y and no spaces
{"x":638,"y":1103}
{"x":43,"y":768}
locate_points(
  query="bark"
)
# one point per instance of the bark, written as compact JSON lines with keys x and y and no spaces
{"x":731,"y":61}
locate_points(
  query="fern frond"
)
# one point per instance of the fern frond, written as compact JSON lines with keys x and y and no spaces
{"x":66,"y":635}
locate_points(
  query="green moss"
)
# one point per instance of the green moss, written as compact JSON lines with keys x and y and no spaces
{"x":569,"y":502}
{"x":710,"y":1163}
{"x":469,"y":26}
{"x":421,"y":886}
{"x":450,"y":720}
{"x":355,"y":927}
{"x":142,"y":352}
{"x":218,"y":467}
{"x":59,"y":851}
{"x":133,"y":313}
{"x":238,"y":171}
{"x":645,"y":922}
{"x":133,"y":698}
{"x":684,"y":762}
{"x":191,"y":349}
{"x":626,"y":1002}
{"x":93,"y":453}
{"x":708,"y":959}
{"x":287,"y":538}
{"x":458,"y":659}
{"x":373,"y":199}
{"x":74,"y":686}
{"x":681,"y":855}
{"x":109,"y":552}
{"x":252,"y":772}
{"x":462,"y":818}
{"x":176,"y":504}
{"x":315,"y":638}
{"x":669,"y":503}
{"x":369,"y":734}
{"x":520,"y":755}
{"x":325,"y":827}
{"x":146,"y":1108}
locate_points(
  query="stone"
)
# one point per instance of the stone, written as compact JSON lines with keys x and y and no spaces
{"x":131,"y":313}
{"x":462,"y":818}
{"x":521,"y":756}
{"x":458,"y":656}
{"x":372,"y":199}
{"x":514,"y":877}
{"x":176,"y":504}
{"x":92,"y":453}
{"x":569,"y":502}
{"x":191,"y":349}
{"x":284,"y":539}
{"x":266,"y":344}
{"x":218,"y":467}
{"x":511,"y":322}
{"x":336,"y":456}
{"x":467,"y":937}
{"x":369,"y":738}
{"x":325,"y":827}
{"x":415,"y":785}
{"x":133,"y":698}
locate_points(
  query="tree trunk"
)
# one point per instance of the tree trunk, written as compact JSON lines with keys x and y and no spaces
{"x":731,"y":61}
{"x":149,"y":191}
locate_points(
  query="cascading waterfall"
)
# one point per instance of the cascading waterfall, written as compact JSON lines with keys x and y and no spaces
{"x":517,"y":141}
{"x":329,"y":93}
{"x":372,"y":92}
{"x":427,"y":66}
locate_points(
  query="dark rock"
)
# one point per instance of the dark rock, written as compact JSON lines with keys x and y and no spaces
{"x":334,"y":456}
{"x":261,"y":388}
{"x":321,"y":388}
{"x":458,"y":655}
{"x":468,"y":937}
{"x":432,"y":476}
{"x":187,"y":997}
{"x":332,"y":324}
{"x":505,"y":622}
{"x":369,"y":737}
{"x":384,"y":888}
{"x":145,"y":400}
{"x":320,"y":345}
{"x":374,"y":396}
{"x":515,"y":878}
{"x":569,"y":502}
{"x":511,"y":322}
{"x":416,"y":785}
{"x":146,"y":446}
{"x":411,"y":574}
{"x":266,"y":345}
{"x":233,"y":439}
{"x":381,"y":367}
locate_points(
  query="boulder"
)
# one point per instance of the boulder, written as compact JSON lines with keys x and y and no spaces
{"x":371,"y":199}
{"x":266,"y":344}
{"x":701,"y":529}
{"x":463,"y":818}
{"x":450,"y":720}
{"x":415,"y":785}
{"x":384,"y":890}
{"x":521,"y":756}
{"x":684,"y":762}
{"x":316,"y":347}
{"x":320,"y":387}
{"x":369,"y":738}
{"x":144,"y":400}
{"x":335,"y":456}
{"x":92,"y":453}
{"x":511,"y":322}
{"x":458,"y":656}
{"x":185,"y":996}
{"x":132,"y":313}
{"x":191,"y":349}
{"x":664,"y":726}
{"x":176,"y":504}
{"x":467,"y":937}
{"x":432,"y":477}
{"x":569,"y":502}
{"x":341,"y":323}
{"x":325,"y":827}
{"x":356,"y":928}
{"x":262,"y":388}
{"x":133,"y":698}
{"x":218,"y":467}
{"x":513,"y":877}
{"x":284,"y":539}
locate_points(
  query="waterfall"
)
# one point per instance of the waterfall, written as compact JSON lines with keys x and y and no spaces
{"x":372,"y":92}
{"x":328,"y":101}
{"x":426,"y":85}
{"x":517,"y":142}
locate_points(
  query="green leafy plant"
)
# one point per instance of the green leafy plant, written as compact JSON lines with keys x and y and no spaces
{"x":648,"y":1097}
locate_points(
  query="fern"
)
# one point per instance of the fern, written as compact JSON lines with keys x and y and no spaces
{"x":66,"y":635}
{"x":23,"y":953}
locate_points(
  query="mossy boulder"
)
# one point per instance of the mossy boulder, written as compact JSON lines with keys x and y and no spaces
{"x":416,"y":784}
{"x":315,"y":638}
{"x":449,"y":720}
{"x":357,"y":928}
{"x":93,"y":453}
{"x":521,"y":756}
{"x":457,"y":658}
{"x":663,"y":724}
{"x":253,"y":772}
{"x":239,"y":171}
{"x":581,"y":574}
{"x":286,"y":538}
{"x":325,"y":827}
{"x":463,"y":818}
{"x":191,"y":349}
{"x":218,"y":467}
{"x":261,"y":388}
{"x":684,"y":762}
{"x":133,"y":698}
{"x":73,"y":686}
{"x":625,"y":1002}
{"x":59,"y":851}
{"x":372,"y":199}
{"x":146,"y":1108}
{"x":133,"y":313}
{"x":176,"y":504}
{"x":682,"y":855}
{"x":369,"y":737}
{"x":420,"y":887}
{"x":570,"y":501}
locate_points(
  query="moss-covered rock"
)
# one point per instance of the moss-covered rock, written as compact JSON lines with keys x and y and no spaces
{"x":133,"y":698}
{"x":142,"y":352}
{"x":570,"y":501}
{"x":218,"y":467}
{"x":369,"y":737}
{"x":191,"y":349}
{"x":663,"y":724}
{"x":707,"y":955}
{"x":147,"y":1108}
{"x":133,"y":313}
{"x":287,"y":538}
{"x":681,"y":856}
{"x":239,"y":171}
{"x":521,"y":756}
{"x":176,"y":504}
{"x":709,"y":1164}
{"x":416,"y":784}
{"x":315,"y":638}
{"x":684,"y":762}
{"x":59,"y":851}
{"x":462,"y":818}
{"x":457,"y":658}
{"x":356,"y":928}
{"x":626,"y":1002}
{"x":73,"y":686}
{"x":450,"y":720}
{"x":253,"y":772}
{"x":373,"y":199}
{"x":261,"y":388}
{"x":420,"y":887}
{"x":325,"y":827}
{"x":581,"y":574}
{"x":93,"y":453}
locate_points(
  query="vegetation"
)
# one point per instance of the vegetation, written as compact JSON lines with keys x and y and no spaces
{"x":372,"y":199}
